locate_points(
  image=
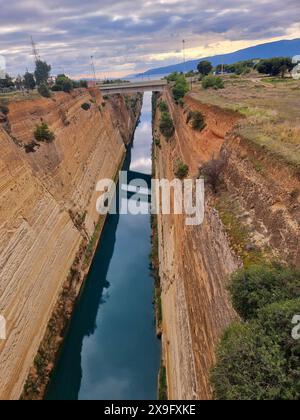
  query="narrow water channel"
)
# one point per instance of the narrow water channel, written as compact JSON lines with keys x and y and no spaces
{"x":111,"y":350}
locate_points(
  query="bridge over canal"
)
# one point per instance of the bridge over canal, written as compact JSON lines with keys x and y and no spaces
{"x":134,"y":87}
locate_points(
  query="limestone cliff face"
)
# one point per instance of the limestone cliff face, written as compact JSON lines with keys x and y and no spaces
{"x":194,"y":263}
{"x":41,"y":194}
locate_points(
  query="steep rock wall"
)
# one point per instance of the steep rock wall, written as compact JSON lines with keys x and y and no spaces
{"x":194,"y":262}
{"x":41,"y":194}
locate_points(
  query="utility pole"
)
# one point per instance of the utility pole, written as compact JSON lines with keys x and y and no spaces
{"x":35,"y":52}
{"x":93,"y":68}
{"x":183,"y":51}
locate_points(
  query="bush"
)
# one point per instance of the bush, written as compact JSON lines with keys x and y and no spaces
{"x":86,"y":106}
{"x":211,"y":171}
{"x":83,"y":84}
{"x":4,"y":109}
{"x":181,"y":170}
{"x":276,"y":320}
{"x":214,"y":82}
{"x":43,"y":134}
{"x":44,"y":91}
{"x":181,"y":86}
{"x":250,"y":365}
{"x":163,"y":106}
{"x":198,"y":121}
{"x":166,"y":125}
{"x":253,"y":288}
{"x":275,"y":66}
{"x":180,"y":89}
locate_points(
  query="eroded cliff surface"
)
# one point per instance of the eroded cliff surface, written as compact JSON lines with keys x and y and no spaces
{"x":43,"y":196}
{"x":194,"y":262}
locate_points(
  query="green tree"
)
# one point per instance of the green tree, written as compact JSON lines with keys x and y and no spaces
{"x":42,"y":72}
{"x":63,"y":83}
{"x":257,"y":286}
{"x":197,"y":120}
{"x":7,"y":82}
{"x":181,"y":170}
{"x":205,"y":67}
{"x":29,"y":82}
{"x":250,"y":365}
{"x":277,"y":66}
{"x":43,"y":134}
{"x":166,"y":125}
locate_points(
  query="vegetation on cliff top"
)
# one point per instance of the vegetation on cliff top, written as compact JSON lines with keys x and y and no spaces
{"x":258,"y":358}
{"x":166,"y":125}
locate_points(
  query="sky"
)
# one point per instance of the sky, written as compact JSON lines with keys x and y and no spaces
{"x":126,"y":37}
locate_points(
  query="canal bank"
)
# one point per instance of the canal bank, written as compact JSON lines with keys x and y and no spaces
{"x":111,"y":350}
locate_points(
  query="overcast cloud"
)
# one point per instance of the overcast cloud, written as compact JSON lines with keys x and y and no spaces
{"x":132,"y":36}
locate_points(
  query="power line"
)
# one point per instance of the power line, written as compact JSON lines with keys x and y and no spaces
{"x":93,"y":68}
{"x":183,"y":51}
{"x":35,"y":50}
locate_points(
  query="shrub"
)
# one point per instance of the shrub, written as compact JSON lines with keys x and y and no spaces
{"x":198,"y":121}
{"x":257,"y":286}
{"x":163,"y":106}
{"x":44,"y":91}
{"x":4,"y":109}
{"x":212,"y":82}
{"x":181,"y":170}
{"x":43,"y":134}
{"x":250,"y":365}
{"x":276,"y":320}
{"x":86,"y":106}
{"x":83,"y":84}
{"x":166,"y":125}
{"x":211,"y":171}
{"x":180,"y":89}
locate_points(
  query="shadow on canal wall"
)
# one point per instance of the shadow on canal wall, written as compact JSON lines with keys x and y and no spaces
{"x":84,"y":322}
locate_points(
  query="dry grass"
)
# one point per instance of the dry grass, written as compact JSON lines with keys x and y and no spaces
{"x":271,"y":108}
{"x":18,"y":96}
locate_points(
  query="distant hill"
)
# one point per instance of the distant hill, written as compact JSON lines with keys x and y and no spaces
{"x":284,"y":48}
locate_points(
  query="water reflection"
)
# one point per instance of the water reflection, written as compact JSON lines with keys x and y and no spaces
{"x":111,"y":351}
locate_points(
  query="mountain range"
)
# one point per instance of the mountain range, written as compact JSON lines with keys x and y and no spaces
{"x":286,"y":48}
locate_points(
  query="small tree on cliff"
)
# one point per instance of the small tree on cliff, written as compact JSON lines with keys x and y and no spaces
{"x":211,"y":171}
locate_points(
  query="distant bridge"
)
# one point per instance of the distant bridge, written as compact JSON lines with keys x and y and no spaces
{"x":148,"y":86}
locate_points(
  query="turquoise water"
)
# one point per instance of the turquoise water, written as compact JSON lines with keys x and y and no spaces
{"x":111,"y":350}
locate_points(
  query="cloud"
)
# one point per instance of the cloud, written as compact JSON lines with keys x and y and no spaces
{"x":130,"y":36}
